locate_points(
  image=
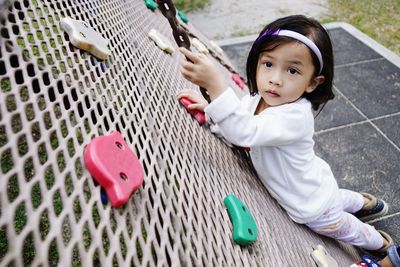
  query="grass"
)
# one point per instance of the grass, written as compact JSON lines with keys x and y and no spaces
{"x":378,"y":19}
{"x":190,"y":5}
{"x":243,"y":33}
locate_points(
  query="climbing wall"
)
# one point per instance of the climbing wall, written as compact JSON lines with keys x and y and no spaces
{"x":55,"y":98}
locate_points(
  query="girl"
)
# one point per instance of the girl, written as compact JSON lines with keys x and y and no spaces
{"x":290,"y":71}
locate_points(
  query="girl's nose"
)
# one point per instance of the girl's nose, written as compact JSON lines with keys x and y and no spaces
{"x":275,"y":78}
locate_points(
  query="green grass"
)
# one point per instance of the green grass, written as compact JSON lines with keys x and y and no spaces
{"x":378,"y":19}
{"x":190,"y":5}
{"x":242,"y":33}
{"x":5,"y":85}
{"x":4,"y":242}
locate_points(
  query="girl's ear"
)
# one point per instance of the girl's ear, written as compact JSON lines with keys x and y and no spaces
{"x":315,"y":82}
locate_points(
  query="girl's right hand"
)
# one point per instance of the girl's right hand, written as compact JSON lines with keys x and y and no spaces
{"x":200,"y":69}
{"x":199,"y":102}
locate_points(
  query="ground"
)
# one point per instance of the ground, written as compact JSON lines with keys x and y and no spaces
{"x":249,"y":17}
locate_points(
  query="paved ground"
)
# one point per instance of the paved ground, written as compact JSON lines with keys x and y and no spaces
{"x":358,"y":132}
{"x":223,"y":19}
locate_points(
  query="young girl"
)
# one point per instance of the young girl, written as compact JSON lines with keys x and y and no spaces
{"x":290,"y":71}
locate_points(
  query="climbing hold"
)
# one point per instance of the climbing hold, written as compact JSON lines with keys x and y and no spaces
{"x":86,"y":38}
{"x":244,"y":227}
{"x":114,"y":166}
{"x":199,"y":116}
{"x":199,"y":46}
{"x":322,"y":257}
{"x":161,"y":41}
{"x":150,"y":4}
{"x":237,"y":80}
{"x":216,"y":47}
{"x":183,"y":17}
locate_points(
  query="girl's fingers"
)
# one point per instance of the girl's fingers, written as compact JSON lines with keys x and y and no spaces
{"x":199,"y":103}
{"x":187,"y":65}
{"x":186,"y":73}
{"x":187,"y":95}
{"x":183,"y":94}
{"x":189,"y":55}
{"x":196,"y":106}
{"x":190,"y":94}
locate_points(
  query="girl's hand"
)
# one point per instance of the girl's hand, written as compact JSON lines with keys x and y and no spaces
{"x":203,"y":72}
{"x":199,"y":102}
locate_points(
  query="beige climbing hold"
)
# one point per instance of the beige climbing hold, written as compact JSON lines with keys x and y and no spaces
{"x":322,"y":257}
{"x":200,"y":46}
{"x":216,"y":47}
{"x":85,"y":37}
{"x":161,"y":41}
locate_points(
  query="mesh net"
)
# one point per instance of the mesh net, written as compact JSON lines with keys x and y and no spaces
{"x":55,"y":98}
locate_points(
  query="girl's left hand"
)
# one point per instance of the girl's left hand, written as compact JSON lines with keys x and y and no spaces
{"x":203,"y":72}
{"x":199,"y":103}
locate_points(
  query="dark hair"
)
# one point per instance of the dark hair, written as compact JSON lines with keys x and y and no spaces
{"x":307,"y":27}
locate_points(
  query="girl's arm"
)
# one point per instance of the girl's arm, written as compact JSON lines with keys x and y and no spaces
{"x":275,"y":126}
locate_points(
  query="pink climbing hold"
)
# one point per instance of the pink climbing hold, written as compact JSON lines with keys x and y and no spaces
{"x":114,"y":166}
{"x":237,"y":80}
{"x":198,"y":115}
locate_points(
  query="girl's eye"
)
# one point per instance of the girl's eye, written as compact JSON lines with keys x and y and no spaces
{"x":268,"y":64}
{"x":292,"y":71}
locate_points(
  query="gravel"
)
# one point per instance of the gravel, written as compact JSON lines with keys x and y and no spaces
{"x":222,"y":19}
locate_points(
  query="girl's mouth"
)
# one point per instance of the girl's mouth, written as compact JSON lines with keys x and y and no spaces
{"x":272,"y":93}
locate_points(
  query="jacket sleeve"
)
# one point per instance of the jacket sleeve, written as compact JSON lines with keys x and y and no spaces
{"x":275,"y":126}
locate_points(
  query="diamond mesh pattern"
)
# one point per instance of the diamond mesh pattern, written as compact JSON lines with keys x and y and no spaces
{"x":55,"y":98}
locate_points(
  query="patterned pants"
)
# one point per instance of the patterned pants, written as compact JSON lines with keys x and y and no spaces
{"x":338,"y":222}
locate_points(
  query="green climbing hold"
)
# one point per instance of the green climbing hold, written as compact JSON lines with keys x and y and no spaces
{"x":151,"y":4}
{"x":244,"y":227}
{"x":183,"y":16}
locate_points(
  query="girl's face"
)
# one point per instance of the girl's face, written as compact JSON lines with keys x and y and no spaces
{"x":285,"y":73}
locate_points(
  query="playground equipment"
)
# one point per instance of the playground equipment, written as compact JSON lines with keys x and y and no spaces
{"x":56,"y":98}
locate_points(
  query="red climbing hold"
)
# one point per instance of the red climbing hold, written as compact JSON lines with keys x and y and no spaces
{"x":114,"y":166}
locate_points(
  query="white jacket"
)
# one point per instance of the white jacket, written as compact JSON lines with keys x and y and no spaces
{"x":282,"y":151}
